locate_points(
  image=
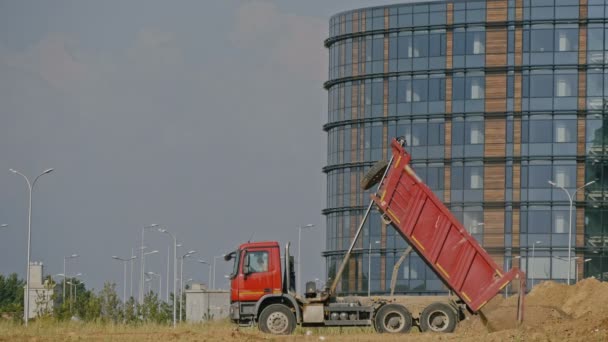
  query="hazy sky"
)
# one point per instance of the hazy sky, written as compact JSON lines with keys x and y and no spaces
{"x":204,"y":116}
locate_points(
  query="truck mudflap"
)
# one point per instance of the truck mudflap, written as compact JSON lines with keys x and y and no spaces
{"x":438,"y":237}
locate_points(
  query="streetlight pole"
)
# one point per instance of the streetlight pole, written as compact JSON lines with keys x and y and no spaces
{"x":571,"y":198}
{"x":308,"y":226}
{"x":532,"y":270}
{"x":181,"y":282}
{"x":369,"y":267}
{"x":26,"y":309}
{"x":215,"y":258}
{"x":142,"y":263}
{"x":209,"y":275}
{"x":507,"y":270}
{"x":65,"y":258}
{"x":168,"y":264}
{"x":131,"y":282}
{"x":124,"y":288}
{"x":174,"y":270}
{"x":160,"y":281}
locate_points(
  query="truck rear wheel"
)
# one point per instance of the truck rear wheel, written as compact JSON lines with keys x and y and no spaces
{"x":393,"y":318}
{"x":438,"y":317}
{"x":277,"y":319}
{"x":373,"y":175}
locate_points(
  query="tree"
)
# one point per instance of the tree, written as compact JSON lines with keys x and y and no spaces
{"x":110,"y":304}
{"x":11,"y":296}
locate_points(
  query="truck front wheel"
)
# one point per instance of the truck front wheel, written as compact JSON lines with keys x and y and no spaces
{"x":277,"y":319}
{"x":393,"y":318}
{"x":438,"y":317}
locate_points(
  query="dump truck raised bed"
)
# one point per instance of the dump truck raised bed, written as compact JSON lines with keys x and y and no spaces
{"x":263,"y":293}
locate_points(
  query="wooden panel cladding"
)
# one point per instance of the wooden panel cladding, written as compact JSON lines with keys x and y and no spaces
{"x":495,"y":132}
{"x":448,"y":94}
{"x":583,"y":10}
{"x":355,"y":65}
{"x":517,"y":93}
{"x":580,"y":227}
{"x":447,"y":181}
{"x":386,"y":18}
{"x":580,"y":180}
{"x":354,"y":139}
{"x":355,"y":21}
{"x":494,"y":183}
{"x":363,"y":28}
{"x":493,"y":227}
{"x":448,"y":139}
{"x":353,"y":189}
{"x":496,"y":47}
{"x":518,"y":45}
{"x":385,"y":64}
{"x":582,"y":90}
{"x":496,"y":10}
{"x":449,"y":48}
{"x":580,"y":139}
{"x":582,"y":44}
{"x":354,"y":110}
{"x":516,"y":183}
{"x":496,"y":93}
{"x":450,"y":13}
{"x":519,"y":10}
{"x":515,"y":229}
{"x":517,"y":137}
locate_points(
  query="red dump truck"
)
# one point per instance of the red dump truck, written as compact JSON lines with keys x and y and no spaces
{"x":263,"y":292}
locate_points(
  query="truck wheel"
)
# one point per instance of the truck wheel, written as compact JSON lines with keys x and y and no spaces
{"x":277,"y":319}
{"x":373,"y":175}
{"x":438,"y":317}
{"x":393,"y":318}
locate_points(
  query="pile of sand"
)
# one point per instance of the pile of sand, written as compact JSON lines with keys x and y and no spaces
{"x":551,"y":310}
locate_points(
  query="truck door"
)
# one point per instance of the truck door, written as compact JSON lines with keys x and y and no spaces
{"x":258,"y":274}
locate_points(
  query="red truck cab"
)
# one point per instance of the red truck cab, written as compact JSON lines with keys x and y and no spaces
{"x":256,"y":279}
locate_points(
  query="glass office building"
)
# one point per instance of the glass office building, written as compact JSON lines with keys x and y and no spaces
{"x":495,"y":99}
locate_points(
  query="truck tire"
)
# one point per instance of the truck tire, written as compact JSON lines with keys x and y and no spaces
{"x":373,"y":175}
{"x":393,"y":319}
{"x":438,"y":317}
{"x":277,"y":319}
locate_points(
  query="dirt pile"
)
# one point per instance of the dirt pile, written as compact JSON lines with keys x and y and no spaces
{"x":551,"y":309}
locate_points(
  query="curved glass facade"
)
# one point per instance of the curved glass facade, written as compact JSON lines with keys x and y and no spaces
{"x":495,"y":99}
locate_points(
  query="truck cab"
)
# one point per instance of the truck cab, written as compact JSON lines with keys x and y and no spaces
{"x":257,"y":281}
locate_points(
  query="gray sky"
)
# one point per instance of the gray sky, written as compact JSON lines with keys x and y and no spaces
{"x":204,"y":116}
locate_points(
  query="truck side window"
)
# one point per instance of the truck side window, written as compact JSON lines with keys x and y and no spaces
{"x":258,"y":261}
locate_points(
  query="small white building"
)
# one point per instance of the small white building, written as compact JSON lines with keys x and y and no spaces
{"x":203,"y":304}
{"x":41,"y":293}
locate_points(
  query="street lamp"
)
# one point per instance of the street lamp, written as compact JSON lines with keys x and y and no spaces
{"x":308,"y":226}
{"x":209,"y":266}
{"x":124,"y":264}
{"x":181,"y":282}
{"x":30,"y":186}
{"x":215,"y":258}
{"x":507,"y":270}
{"x":65,"y":258}
{"x":571,"y":198}
{"x":4,"y":225}
{"x":160,"y":281}
{"x":142,"y":263}
{"x":369,"y":267}
{"x":162,"y":230}
{"x":533,"y":260}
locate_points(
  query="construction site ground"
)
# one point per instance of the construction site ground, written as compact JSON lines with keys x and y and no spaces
{"x":553,"y":312}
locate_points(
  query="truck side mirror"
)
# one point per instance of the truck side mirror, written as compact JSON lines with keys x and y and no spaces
{"x":246,"y":270}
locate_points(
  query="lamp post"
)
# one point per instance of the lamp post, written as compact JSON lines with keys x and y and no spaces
{"x":507,"y":270}
{"x":162,"y":230}
{"x":308,"y":226}
{"x":30,"y":186}
{"x":144,"y":255}
{"x":65,"y":258}
{"x":4,"y":225}
{"x":209,"y":266}
{"x":181,"y":282}
{"x":532,"y":271}
{"x":131,"y":281}
{"x":142,"y":263}
{"x":124,"y":264}
{"x":369,"y":267}
{"x":215,"y":258}
{"x":571,"y":198}
{"x":160,"y":281}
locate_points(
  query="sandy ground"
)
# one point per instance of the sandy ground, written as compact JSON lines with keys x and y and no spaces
{"x":554,"y":312}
